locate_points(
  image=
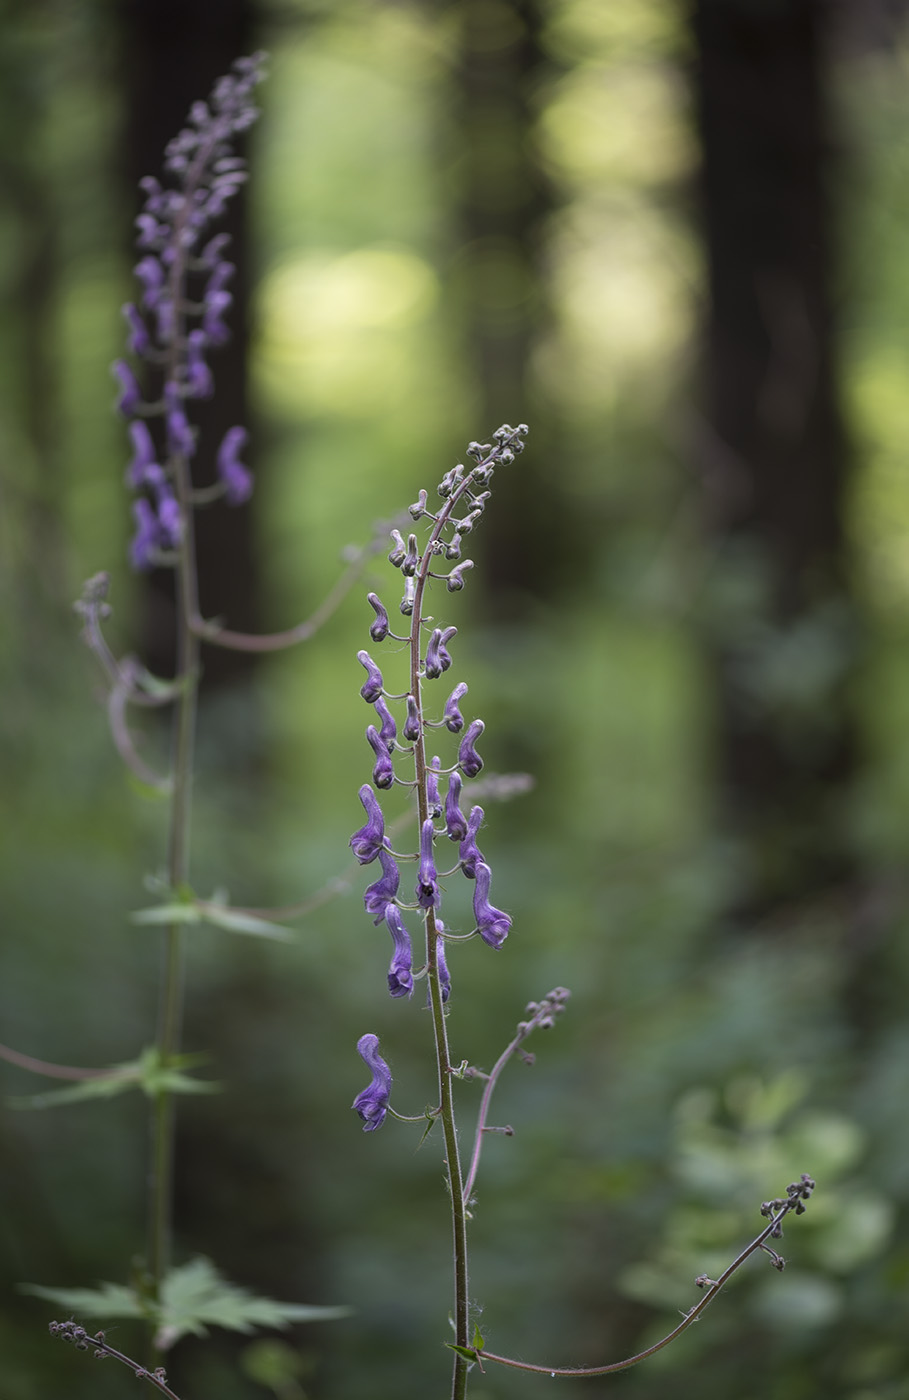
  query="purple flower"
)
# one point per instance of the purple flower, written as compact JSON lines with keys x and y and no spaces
{"x":379,"y":629}
{"x":217,"y":306}
{"x":455,"y":823}
{"x":372,"y":1102}
{"x":432,"y":787}
{"x":411,"y":559}
{"x":143,"y":453}
{"x":411,"y":728}
{"x":151,"y":274}
{"x":396,"y":557}
{"x":180,"y":435}
{"x":200,"y":383}
{"x":469,"y":852}
{"x":400,"y":974}
{"x":442,"y":965}
{"x":371,"y":688}
{"x":389,"y":731}
{"x":367,"y":842}
{"x":169,"y":518}
{"x":427,"y":891}
{"x":382,"y":891}
{"x":469,"y":760}
{"x":452,"y":716}
{"x":238,"y":482}
{"x":383,"y":774}
{"x":492,"y":923}
{"x":130,"y":393}
{"x":139,"y":340}
{"x":147,"y":538}
{"x":455,"y":581}
{"x":221,"y":274}
{"x":437,"y":657}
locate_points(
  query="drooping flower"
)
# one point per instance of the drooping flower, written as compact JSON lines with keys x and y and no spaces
{"x":437,"y":655}
{"x":147,"y":540}
{"x":372,"y":687}
{"x":432,"y":787}
{"x":130,"y":393}
{"x":492,"y":923}
{"x":378,"y":630}
{"x":400,"y":973}
{"x":442,"y":965}
{"x":367,"y":842}
{"x":469,"y":760}
{"x":427,"y":891}
{"x":200,"y":383}
{"x":389,"y":731}
{"x":372,"y":1102}
{"x":411,"y":728}
{"x":452,"y":716}
{"x":383,"y":890}
{"x":469,"y":852}
{"x":143,"y":453}
{"x":237,"y":478}
{"x":383,"y":773}
{"x":455,"y":822}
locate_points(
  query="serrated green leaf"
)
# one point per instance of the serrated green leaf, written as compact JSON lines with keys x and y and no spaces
{"x":238,"y":921}
{"x":107,"y":1300}
{"x":195,"y":1297}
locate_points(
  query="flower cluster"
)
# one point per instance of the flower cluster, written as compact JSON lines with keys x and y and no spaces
{"x":403,"y":761}
{"x":171,"y":331}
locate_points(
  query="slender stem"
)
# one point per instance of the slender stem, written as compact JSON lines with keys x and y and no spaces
{"x":485,"y":1101}
{"x":687,"y":1320}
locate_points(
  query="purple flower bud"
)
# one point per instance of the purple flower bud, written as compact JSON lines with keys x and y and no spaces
{"x":151,"y":274}
{"x":216,"y":307}
{"x":437,"y":657}
{"x":143,"y":453}
{"x":452,"y":716}
{"x":169,"y":517}
{"x":427,"y":890}
{"x":492,"y":923}
{"x":238,"y":482}
{"x":151,"y":233}
{"x":396,"y":557}
{"x":389,"y":731}
{"x":453,"y":548}
{"x":139,"y":340}
{"x":442,"y":965}
{"x":469,"y":760}
{"x":469,"y":852}
{"x":400,"y":974}
{"x":367,"y":842}
{"x":221,"y":275}
{"x":372,"y":1102}
{"x":130,"y":393}
{"x":455,"y":823}
{"x":379,"y":629}
{"x":410,"y":593}
{"x":411,"y":730}
{"x":164,"y":312}
{"x":455,"y":582}
{"x":418,"y":508}
{"x":383,"y":774}
{"x":432,"y":788}
{"x":146,"y":540}
{"x":200,"y":383}
{"x":211,"y":253}
{"x":412,"y":557}
{"x":383,"y":890}
{"x":371,"y":688}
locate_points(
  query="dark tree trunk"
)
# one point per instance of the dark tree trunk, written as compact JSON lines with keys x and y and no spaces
{"x":773,"y":450}
{"x":173,"y":51}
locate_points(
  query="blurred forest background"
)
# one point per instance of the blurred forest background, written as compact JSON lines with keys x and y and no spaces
{"x":675,"y":240}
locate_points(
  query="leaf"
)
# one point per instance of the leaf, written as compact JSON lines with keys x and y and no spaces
{"x":195,"y":1297}
{"x":478,"y":1339}
{"x":99,"y":1086}
{"x":107,"y":1300}
{"x":157,"y":1077}
{"x":467,"y":1353}
{"x":238,"y":921}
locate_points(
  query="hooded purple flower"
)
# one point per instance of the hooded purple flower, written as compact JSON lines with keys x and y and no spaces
{"x":452,"y":716}
{"x":200,"y":382}
{"x":180,"y":435}
{"x":432,"y":787}
{"x":427,"y":891}
{"x":371,"y":688}
{"x":382,"y":891}
{"x":143,"y":453}
{"x":147,"y":538}
{"x":372,"y":1102}
{"x":217,"y":305}
{"x":400,"y":974}
{"x":455,"y":823}
{"x":130,"y":393}
{"x":411,"y":728}
{"x":139,"y":340}
{"x":469,"y":852}
{"x":383,"y":773}
{"x":389,"y":731}
{"x":442,"y":965}
{"x":492,"y":923}
{"x":437,"y":657}
{"x":469,"y":760}
{"x":238,"y":482}
{"x":378,"y":630}
{"x":367,"y":842}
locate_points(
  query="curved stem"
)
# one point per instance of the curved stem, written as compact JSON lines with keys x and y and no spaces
{"x":687,"y":1320}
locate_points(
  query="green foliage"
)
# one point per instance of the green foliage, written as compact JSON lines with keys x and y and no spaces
{"x":194,"y":1297}
{"x":182,"y":907}
{"x":148,"y":1073}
